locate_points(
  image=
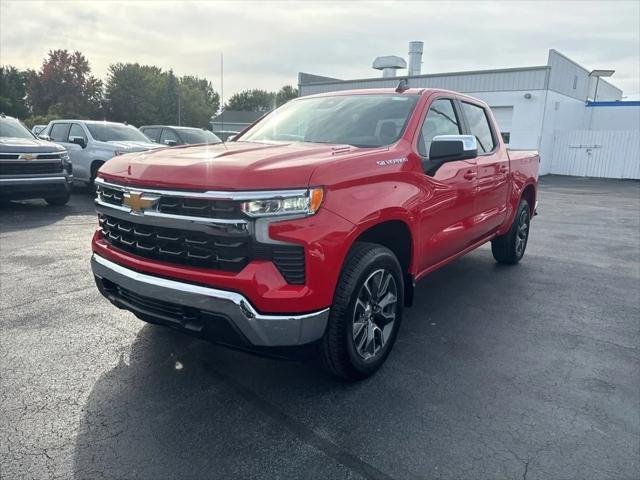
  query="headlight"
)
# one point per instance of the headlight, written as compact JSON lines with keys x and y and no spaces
{"x":306,"y":204}
{"x":64,"y":156}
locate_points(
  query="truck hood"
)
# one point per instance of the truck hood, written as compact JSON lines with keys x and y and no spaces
{"x":27,"y":145}
{"x":234,"y":166}
{"x":130,"y":146}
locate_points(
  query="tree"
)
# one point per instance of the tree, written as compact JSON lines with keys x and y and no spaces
{"x":143,"y":95}
{"x":136,"y":94}
{"x":285,"y":94}
{"x":198,"y":101}
{"x":64,"y":85}
{"x":170,"y":105}
{"x":13,"y":92}
{"x":252,"y":101}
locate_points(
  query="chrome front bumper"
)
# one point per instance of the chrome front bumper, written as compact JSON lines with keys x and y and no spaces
{"x":26,"y":180}
{"x":258,"y":329}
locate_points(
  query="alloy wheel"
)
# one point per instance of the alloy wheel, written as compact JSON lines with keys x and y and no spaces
{"x":522,"y":232}
{"x":374,"y":313}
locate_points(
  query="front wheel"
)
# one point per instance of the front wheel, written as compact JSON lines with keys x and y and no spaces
{"x":366,"y":313}
{"x":509,"y":248}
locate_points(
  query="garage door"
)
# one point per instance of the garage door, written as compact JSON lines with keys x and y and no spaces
{"x":504,"y":117}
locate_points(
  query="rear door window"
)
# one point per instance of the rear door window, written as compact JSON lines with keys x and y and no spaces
{"x":59,"y":132}
{"x":479,"y":126}
{"x":169,"y":135}
{"x":152,"y":133}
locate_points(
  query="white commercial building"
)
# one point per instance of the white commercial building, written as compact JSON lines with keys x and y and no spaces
{"x":576,"y":119}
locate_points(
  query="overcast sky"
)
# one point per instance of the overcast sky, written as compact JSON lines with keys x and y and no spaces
{"x":266,"y":44}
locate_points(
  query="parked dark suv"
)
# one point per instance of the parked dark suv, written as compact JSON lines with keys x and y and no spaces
{"x":30,"y":167}
{"x":171,"y":136}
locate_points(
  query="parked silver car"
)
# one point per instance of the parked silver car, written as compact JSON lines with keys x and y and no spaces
{"x":91,"y":143}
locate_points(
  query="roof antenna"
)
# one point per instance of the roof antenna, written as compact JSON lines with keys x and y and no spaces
{"x":403,"y":86}
{"x":222,"y":98}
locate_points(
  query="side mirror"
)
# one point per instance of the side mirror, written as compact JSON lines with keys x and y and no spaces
{"x":78,"y":141}
{"x":44,"y":137}
{"x":170,"y":143}
{"x":449,"y":148}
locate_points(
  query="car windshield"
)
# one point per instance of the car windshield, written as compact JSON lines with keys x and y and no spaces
{"x":11,"y":128}
{"x":107,"y":132}
{"x":194,"y":135}
{"x":358,"y":120}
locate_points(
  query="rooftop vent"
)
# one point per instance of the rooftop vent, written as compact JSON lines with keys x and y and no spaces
{"x":389,"y":64}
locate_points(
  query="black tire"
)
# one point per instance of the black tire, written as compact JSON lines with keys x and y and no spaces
{"x":338,"y":352}
{"x":58,"y":201}
{"x":509,"y":248}
{"x":95,"y":166}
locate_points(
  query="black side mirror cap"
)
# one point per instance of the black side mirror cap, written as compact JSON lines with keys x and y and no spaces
{"x":78,"y":141}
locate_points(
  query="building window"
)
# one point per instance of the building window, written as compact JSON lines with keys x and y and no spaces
{"x":575,"y":81}
{"x":506,"y":136}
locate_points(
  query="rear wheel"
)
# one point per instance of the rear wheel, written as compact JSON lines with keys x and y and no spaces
{"x":366,"y":313}
{"x":58,"y":201}
{"x":509,"y":248}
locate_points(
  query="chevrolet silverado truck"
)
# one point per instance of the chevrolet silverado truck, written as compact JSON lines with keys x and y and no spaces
{"x":311,"y":230}
{"x":32,"y":168}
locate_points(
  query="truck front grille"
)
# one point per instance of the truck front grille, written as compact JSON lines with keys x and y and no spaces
{"x":198,"y":249}
{"x":183,"y":206}
{"x":185,"y":247}
{"x":26,"y":167}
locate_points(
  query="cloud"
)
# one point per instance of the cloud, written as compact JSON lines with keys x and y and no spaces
{"x":266,"y":44}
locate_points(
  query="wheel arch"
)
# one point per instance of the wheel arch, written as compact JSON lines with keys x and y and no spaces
{"x":395,"y":235}
{"x":529,"y":194}
{"x":95,"y":166}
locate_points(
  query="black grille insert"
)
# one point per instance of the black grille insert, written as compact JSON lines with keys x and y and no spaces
{"x":183,"y":206}
{"x":199,"y":207}
{"x":198,"y":249}
{"x":27,"y":167}
{"x":186,"y":247}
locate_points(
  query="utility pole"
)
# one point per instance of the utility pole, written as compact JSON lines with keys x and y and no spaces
{"x":179,"y":106}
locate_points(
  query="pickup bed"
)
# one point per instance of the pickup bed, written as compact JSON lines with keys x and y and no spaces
{"x":308,"y":232}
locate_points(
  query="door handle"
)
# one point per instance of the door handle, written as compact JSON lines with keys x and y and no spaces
{"x":504,"y":169}
{"x":469,"y":175}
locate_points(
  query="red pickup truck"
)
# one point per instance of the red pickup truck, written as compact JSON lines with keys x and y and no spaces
{"x":310,"y":230}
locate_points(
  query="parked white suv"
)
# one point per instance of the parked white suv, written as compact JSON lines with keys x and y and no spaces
{"x":91,"y":143}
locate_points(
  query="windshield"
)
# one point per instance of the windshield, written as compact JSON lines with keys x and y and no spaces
{"x":11,"y":128}
{"x":194,"y":135}
{"x":107,"y":132}
{"x":358,"y":120}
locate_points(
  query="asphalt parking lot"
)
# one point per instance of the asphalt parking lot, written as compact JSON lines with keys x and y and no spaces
{"x":523,"y":372}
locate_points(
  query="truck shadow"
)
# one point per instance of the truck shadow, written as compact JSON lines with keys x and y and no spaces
{"x":181,"y":408}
